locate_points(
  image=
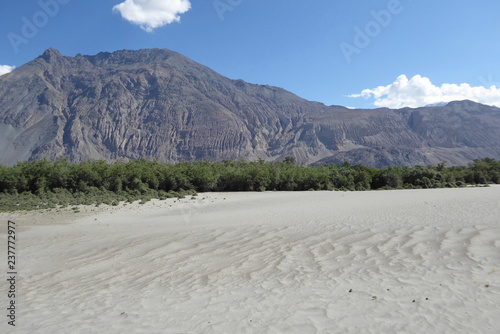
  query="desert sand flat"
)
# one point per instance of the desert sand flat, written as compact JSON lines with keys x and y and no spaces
{"x":406,"y":261}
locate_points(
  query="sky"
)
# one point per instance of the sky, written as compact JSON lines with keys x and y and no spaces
{"x":355,"y":53}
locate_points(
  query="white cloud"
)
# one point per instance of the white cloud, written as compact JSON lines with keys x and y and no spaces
{"x":4,"y":69}
{"x":152,"y":14}
{"x":420,"y":91}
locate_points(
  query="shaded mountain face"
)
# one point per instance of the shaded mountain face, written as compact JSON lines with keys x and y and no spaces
{"x":158,"y":104}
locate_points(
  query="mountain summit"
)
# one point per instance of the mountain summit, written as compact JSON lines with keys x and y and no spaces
{"x":158,"y":104}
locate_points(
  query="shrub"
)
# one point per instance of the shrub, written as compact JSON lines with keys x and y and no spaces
{"x":43,"y":184}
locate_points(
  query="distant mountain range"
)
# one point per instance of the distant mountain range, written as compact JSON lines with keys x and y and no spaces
{"x":158,"y":104}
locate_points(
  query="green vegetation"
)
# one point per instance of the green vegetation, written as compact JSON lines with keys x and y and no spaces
{"x":44,"y":184}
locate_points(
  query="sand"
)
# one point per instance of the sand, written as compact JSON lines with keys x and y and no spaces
{"x":406,"y":261}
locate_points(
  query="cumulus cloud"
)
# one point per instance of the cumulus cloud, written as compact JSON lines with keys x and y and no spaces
{"x":420,"y":91}
{"x":152,"y":14}
{"x":4,"y":69}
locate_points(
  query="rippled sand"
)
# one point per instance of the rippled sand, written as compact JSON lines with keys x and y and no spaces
{"x":412,"y":261}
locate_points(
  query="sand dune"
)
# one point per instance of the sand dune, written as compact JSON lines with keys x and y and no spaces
{"x":410,"y":261}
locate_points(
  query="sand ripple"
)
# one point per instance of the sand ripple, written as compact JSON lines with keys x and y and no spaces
{"x":314,"y":262}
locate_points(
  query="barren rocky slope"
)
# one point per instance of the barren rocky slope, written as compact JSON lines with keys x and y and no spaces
{"x":158,"y":104}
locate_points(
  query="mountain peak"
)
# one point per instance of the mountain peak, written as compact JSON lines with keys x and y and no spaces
{"x":51,"y":54}
{"x":437,"y":104}
{"x":466,"y":103}
{"x":125,"y":57}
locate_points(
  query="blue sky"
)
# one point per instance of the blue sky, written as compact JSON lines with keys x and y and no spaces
{"x":355,"y":53}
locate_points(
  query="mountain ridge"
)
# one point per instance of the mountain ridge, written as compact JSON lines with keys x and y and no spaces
{"x":158,"y":104}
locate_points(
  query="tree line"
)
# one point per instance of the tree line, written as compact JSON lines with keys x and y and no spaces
{"x":48,"y":184}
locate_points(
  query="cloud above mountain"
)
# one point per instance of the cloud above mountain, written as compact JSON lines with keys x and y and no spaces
{"x":4,"y":69}
{"x":152,"y":14}
{"x":420,"y":91}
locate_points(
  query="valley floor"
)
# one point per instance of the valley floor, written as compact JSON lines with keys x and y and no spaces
{"x":402,"y":261}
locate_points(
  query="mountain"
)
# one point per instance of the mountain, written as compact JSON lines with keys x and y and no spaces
{"x":158,"y":104}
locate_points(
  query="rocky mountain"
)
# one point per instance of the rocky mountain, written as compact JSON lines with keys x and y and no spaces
{"x":158,"y":104}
